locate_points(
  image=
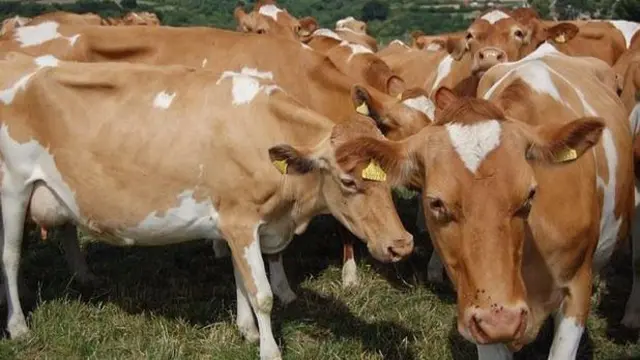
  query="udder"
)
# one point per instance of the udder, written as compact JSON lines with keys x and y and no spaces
{"x":45,"y":208}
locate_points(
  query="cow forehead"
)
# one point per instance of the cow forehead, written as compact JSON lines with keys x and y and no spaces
{"x":494,"y":16}
{"x":270,"y":10}
{"x":473,"y":142}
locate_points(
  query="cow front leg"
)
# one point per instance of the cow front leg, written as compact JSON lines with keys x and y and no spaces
{"x":244,"y":315}
{"x":14,"y":200}
{"x":349,"y":268}
{"x":631,"y":317}
{"x":248,"y":262}
{"x":570,"y":319}
{"x":493,"y":352}
{"x":279,"y":282}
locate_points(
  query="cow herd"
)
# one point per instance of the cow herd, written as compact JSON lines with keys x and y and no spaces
{"x":519,"y":133}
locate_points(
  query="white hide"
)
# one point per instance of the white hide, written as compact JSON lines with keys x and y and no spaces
{"x":327,"y":33}
{"x":41,"y":33}
{"x":163,"y":100}
{"x":627,"y":28}
{"x":270,"y":11}
{"x":356,"y":49}
{"x":7,"y":95}
{"x":474,"y":142}
{"x":246,"y":84}
{"x":566,"y":338}
{"x":342,"y":23}
{"x":444,"y":68}
{"x":422,"y":104}
{"x":494,"y":16}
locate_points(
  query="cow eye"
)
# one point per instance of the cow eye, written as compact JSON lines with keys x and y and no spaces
{"x":469,"y":36}
{"x":438,"y":209}
{"x":525,"y":208}
{"x":349,"y":183}
{"x":519,"y":34}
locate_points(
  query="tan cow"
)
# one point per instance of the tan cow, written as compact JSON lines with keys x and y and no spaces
{"x":268,"y":18}
{"x":355,"y":31}
{"x":527,"y":191}
{"x":310,"y":76}
{"x":143,"y":18}
{"x":196,"y":189}
{"x":13,"y":23}
{"x":420,"y":40}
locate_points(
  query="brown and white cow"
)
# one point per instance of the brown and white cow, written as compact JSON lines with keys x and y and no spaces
{"x":268,"y":18}
{"x":309,"y":76}
{"x":355,"y":31}
{"x":194,"y":188}
{"x":526,"y":190}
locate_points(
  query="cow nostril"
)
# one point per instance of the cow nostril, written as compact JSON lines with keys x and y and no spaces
{"x":481,"y":56}
{"x":500,"y":57}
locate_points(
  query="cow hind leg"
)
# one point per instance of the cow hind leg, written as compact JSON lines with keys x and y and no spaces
{"x":221,"y":249}
{"x":244,"y":315}
{"x":349,"y":268}
{"x":494,"y":352}
{"x":247,"y":260}
{"x":631,"y":317}
{"x":76,"y":259}
{"x":14,"y":200}
{"x":279,"y":282}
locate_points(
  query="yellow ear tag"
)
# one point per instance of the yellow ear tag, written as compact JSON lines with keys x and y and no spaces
{"x":374,"y":172}
{"x":567,"y":154}
{"x":304,"y":32}
{"x":399,"y":96}
{"x":281,"y":165}
{"x":363,"y":109}
{"x":561,"y":39}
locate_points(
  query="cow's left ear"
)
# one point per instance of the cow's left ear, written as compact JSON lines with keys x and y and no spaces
{"x":561,"y":33}
{"x":555,"y":144}
{"x":289,"y":160}
{"x":365,"y":104}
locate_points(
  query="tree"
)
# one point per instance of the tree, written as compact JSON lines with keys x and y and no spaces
{"x":543,"y":7}
{"x":627,"y":10}
{"x":375,"y":10}
{"x":129,"y":4}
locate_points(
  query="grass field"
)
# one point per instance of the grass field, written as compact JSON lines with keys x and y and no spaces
{"x":178,"y":302}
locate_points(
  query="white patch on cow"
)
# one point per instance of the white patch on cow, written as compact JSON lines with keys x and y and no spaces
{"x":349,"y":273}
{"x":494,"y":16}
{"x":422,"y":104}
{"x":444,"y":69}
{"x":356,"y":49}
{"x":163,"y":100}
{"x":342,"y":23}
{"x":327,"y":33}
{"x":270,"y":11}
{"x":31,"y":162}
{"x":493,"y":352}
{"x":204,"y":62}
{"x":536,"y":74}
{"x":627,"y":28}
{"x":566,"y":338}
{"x":306,"y":47}
{"x":609,"y":224}
{"x":400,"y":43}
{"x":253,"y":256}
{"x":433,"y":47}
{"x":474,"y":142}
{"x":41,"y":33}
{"x":7,"y":95}
{"x":246,"y":84}
{"x":189,"y":220}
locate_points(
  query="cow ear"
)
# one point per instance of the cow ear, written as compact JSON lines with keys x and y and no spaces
{"x":308,"y":25}
{"x":395,"y":85}
{"x":561,"y":33}
{"x":456,"y":47}
{"x":366,"y":105}
{"x":561,"y":144}
{"x":289,"y":160}
{"x":415,"y":39}
{"x":242,"y":19}
{"x":444,"y":97}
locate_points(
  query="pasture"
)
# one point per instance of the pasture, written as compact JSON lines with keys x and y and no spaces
{"x":178,"y":302}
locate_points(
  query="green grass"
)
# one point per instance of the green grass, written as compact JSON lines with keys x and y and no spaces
{"x":178,"y":302}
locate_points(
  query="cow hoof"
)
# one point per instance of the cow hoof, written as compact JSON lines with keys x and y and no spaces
{"x":350,"y":274}
{"x":286,"y":297}
{"x":251,"y":335}
{"x":18,"y":330}
{"x":631,"y":318}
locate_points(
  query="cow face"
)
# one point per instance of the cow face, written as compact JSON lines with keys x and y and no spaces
{"x":268,"y":18}
{"x":358,"y":195}
{"x":479,"y":191}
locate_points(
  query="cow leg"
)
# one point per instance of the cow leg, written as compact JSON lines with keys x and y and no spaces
{"x":631,"y":317}
{"x":14,"y":200}
{"x":494,"y":352}
{"x":76,"y":260}
{"x":571,"y":317}
{"x":247,"y":260}
{"x":221,"y":249}
{"x":349,"y":268}
{"x":244,"y":315}
{"x":435,"y":266}
{"x":279,"y":282}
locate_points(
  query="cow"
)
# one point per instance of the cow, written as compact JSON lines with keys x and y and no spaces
{"x":11,"y":23}
{"x":143,"y":18}
{"x":527,"y":190}
{"x":196,"y":187}
{"x":355,"y":31}
{"x":630,"y":96}
{"x":313,"y":79}
{"x":268,"y":18}
{"x":420,"y":40}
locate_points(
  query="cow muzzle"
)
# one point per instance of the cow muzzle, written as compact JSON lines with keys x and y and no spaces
{"x":486,"y":58}
{"x":394,"y":250}
{"x":497,"y":324}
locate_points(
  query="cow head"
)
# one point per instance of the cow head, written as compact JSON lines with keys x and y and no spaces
{"x":479,"y":192}
{"x":268,"y":18}
{"x":352,"y":24}
{"x":143,"y":18}
{"x":397,"y":117}
{"x":501,"y":36}
{"x":358,"y":195}
{"x":12,"y":23}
